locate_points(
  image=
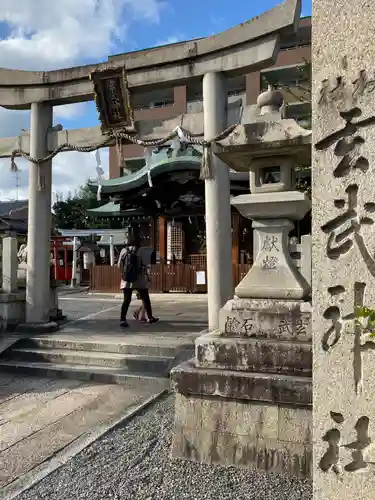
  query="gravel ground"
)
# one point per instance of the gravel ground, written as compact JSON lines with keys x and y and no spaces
{"x":132,"y":462}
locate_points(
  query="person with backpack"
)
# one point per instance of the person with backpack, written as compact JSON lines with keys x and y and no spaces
{"x":134,"y":277}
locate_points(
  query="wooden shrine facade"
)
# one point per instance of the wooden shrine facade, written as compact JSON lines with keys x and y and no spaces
{"x":183,"y":278}
{"x":164,"y":203}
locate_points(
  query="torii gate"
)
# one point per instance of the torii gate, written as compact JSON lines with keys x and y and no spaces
{"x":250,"y":46}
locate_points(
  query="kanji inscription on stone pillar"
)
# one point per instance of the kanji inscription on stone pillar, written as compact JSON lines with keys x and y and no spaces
{"x":343,"y":248}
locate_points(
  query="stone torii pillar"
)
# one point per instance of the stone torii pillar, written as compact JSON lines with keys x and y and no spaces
{"x":39,"y":217}
{"x":217,"y":202}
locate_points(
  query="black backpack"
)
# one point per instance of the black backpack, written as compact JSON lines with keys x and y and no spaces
{"x":132,"y":268}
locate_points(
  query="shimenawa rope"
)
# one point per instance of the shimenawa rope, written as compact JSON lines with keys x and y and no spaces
{"x":183,"y":135}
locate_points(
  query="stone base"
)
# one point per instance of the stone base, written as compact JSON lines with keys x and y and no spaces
{"x":248,"y":386}
{"x":12,"y":309}
{"x":253,"y":355}
{"x":246,"y":398}
{"x":55,"y":314}
{"x":263,"y":336}
{"x":286,"y":320}
{"x":270,"y":437}
{"x":21,"y":275}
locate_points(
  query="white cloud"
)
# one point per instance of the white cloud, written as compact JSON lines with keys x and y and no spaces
{"x":11,"y":122}
{"x":49,"y":34}
{"x":70,"y":111}
{"x":46,"y":35}
{"x":70,"y":170}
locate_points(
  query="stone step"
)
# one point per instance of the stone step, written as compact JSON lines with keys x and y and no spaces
{"x":113,"y":346}
{"x":289,"y":357}
{"x":133,"y":362}
{"x":98,"y":374}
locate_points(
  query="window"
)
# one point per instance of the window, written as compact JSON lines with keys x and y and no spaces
{"x":236,"y":86}
{"x":155,"y":99}
{"x":301,"y":39}
{"x":289,"y":77}
{"x":291,"y":45}
{"x":161,"y":104}
{"x":292,"y":81}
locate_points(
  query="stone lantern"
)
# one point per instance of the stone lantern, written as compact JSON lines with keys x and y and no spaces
{"x":259,"y":362}
{"x":269,"y":149}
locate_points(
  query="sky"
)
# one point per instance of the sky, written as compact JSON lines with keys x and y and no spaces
{"x":43,"y":35}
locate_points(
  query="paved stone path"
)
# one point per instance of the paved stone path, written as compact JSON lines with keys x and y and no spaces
{"x":96,"y":317}
{"x":41,"y":416}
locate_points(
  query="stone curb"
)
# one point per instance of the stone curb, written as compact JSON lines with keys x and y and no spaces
{"x":33,"y":477}
{"x":68,"y":290}
{"x":162,"y":297}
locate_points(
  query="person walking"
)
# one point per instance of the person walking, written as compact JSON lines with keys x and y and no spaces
{"x":134,"y":277}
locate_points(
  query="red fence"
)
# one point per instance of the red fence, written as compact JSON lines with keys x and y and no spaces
{"x":164,"y":278}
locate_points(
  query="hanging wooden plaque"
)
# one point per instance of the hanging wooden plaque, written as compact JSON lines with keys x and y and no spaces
{"x":113,"y":100}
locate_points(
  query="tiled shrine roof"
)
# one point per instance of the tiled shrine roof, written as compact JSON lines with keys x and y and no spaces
{"x":162,"y":161}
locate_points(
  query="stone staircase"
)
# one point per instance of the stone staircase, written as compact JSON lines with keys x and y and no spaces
{"x":108,"y":361}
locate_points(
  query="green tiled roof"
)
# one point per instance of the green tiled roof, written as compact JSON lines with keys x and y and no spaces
{"x":107,"y":209}
{"x":112,"y":208}
{"x":160,"y":163}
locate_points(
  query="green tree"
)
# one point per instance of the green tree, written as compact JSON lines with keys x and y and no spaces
{"x":71,"y":213}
